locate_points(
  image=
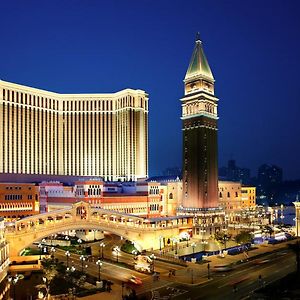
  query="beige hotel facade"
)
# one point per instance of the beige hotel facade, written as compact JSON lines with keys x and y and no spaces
{"x":48,"y":133}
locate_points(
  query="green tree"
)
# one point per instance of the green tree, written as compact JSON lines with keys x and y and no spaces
{"x":222,"y":237}
{"x":243,"y":237}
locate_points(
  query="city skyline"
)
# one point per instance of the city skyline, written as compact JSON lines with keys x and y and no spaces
{"x":110,"y":46}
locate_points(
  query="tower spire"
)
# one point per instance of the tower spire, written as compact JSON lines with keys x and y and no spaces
{"x":198,"y":66}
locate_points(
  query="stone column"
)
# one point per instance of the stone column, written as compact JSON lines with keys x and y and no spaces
{"x":297,"y":218}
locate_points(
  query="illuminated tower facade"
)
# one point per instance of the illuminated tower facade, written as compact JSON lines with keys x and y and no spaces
{"x":199,"y":117}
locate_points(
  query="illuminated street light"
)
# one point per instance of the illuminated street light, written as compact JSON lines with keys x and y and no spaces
{"x":82,"y":258}
{"x":40,"y":246}
{"x":153,"y":257}
{"x":102,"y":245}
{"x":193,"y":246}
{"x":99,"y":264}
{"x":67,"y":255}
{"x":72,"y":269}
{"x":14,"y":280}
{"x":187,"y":240}
{"x":204,"y":243}
{"x":117,"y":250}
{"x":134,"y":252}
{"x":52,"y":250}
{"x":160,"y":239}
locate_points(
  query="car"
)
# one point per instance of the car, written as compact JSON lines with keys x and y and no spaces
{"x":135,"y":280}
{"x":222,"y":268}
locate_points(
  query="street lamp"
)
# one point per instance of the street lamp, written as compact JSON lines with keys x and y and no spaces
{"x":52,"y":250}
{"x":67,"y":255}
{"x":208,"y":267}
{"x":102,"y":245}
{"x":187,"y":240}
{"x":72,"y":269}
{"x":193,"y":246}
{"x":14,"y":280}
{"x":153,"y":257}
{"x":160,"y":239}
{"x":82,"y":259}
{"x":134,"y":252}
{"x":40,"y":246}
{"x":99,"y":264}
{"x":204,"y":243}
{"x":117,"y":251}
{"x":46,"y":284}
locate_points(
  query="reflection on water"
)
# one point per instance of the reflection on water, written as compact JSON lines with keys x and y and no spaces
{"x":288,"y":213}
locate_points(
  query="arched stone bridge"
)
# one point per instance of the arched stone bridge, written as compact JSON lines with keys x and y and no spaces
{"x":81,"y":215}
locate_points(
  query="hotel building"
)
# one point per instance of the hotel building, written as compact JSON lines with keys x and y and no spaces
{"x":103,"y":135}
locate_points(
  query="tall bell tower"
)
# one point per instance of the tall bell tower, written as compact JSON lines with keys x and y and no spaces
{"x":200,"y":145}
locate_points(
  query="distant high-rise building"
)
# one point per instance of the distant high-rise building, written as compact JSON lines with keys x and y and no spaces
{"x":234,"y":173}
{"x":268,"y":176}
{"x":174,"y":171}
{"x":199,"y":117}
{"x":48,"y":133}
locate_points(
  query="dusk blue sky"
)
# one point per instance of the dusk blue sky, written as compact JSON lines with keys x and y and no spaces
{"x":253,"y":48}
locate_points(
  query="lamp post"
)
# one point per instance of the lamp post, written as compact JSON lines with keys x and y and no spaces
{"x":117,"y":251}
{"x":41,"y":249}
{"x":176,"y":246}
{"x":82,"y":259}
{"x":153,"y":257}
{"x":102,"y":245}
{"x":52,"y":250}
{"x":187,"y":241}
{"x":204,"y":243}
{"x":14,"y":280}
{"x":225,"y":238}
{"x":208,"y":268}
{"x":172,"y":243}
{"x":67,"y":255}
{"x":160,"y":239}
{"x":134,"y":252}
{"x":47,"y":287}
{"x":193,"y":246}
{"x":99,"y":264}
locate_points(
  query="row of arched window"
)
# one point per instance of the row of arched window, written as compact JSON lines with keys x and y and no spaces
{"x":195,"y":108}
{"x":228,"y":194}
{"x":19,"y":206}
